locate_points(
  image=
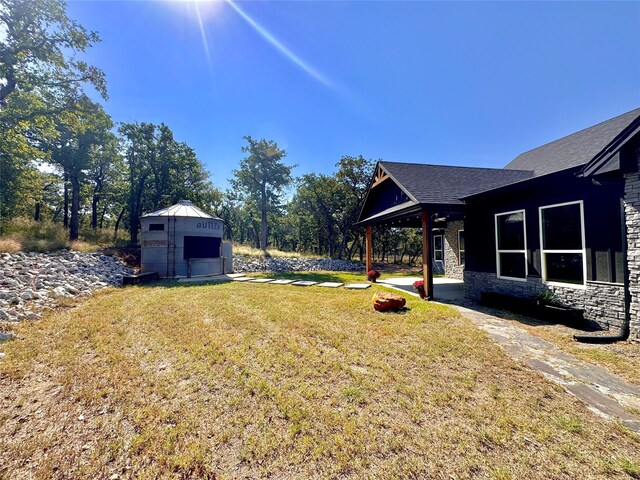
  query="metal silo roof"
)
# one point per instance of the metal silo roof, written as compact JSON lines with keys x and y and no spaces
{"x":184,"y":208}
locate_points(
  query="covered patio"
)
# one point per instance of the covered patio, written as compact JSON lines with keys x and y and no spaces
{"x":427,"y":197}
{"x":446,"y":290}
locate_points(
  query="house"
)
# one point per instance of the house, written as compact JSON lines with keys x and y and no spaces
{"x":562,"y":218}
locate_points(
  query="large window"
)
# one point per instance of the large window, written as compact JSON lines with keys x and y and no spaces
{"x":511,"y":245}
{"x":438,"y":248}
{"x":201,"y":247}
{"x":461,"y":247}
{"x":562,"y":243}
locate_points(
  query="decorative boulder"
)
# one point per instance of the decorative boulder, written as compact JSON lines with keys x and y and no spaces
{"x":383,"y":302}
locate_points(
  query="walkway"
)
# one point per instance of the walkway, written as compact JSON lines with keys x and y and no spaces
{"x":603,"y":392}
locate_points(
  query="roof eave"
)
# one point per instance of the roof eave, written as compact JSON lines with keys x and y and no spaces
{"x":608,"y":154}
{"x":514,"y":184}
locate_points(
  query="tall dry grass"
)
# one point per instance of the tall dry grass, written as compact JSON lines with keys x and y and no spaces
{"x":248,"y":251}
{"x":28,"y":235}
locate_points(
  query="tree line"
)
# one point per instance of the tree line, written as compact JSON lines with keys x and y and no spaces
{"x":64,"y":159}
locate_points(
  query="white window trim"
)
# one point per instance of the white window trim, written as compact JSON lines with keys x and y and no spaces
{"x":460,"y":250}
{"x":498,"y":251}
{"x":583,"y":250}
{"x":441,"y":249}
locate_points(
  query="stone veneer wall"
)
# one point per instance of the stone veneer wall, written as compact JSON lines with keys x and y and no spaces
{"x":452,"y":267}
{"x":603,"y":303}
{"x":632,"y":221}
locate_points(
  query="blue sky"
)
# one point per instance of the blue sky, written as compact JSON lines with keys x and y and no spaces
{"x":454,"y":83}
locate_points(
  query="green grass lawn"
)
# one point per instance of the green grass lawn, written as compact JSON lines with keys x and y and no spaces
{"x":255,"y":381}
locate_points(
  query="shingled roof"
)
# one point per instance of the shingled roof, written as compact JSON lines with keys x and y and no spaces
{"x":443,"y":184}
{"x":573,"y":150}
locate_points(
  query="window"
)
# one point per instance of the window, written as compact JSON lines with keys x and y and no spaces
{"x":201,"y":247}
{"x":461,"y":247}
{"x":438,"y":251}
{"x":511,"y":245}
{"x":156,"y":227}
{"x":562,"y":243}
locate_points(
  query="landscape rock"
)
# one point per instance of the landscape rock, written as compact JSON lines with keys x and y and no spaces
{"x":33,"y":282}
{"x":242,"y":264}
{"x":385,"y":301}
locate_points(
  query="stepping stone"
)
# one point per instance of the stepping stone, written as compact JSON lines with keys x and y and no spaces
{"x":243,"y":279}
{"x":303,"y":283}
{"x":357,"y":286}
{"x":262,"y":280}
{"x":235,"y":275}
{"x":281,"y":282}
{"x":208,"y":278}
{"x":330,"y":284}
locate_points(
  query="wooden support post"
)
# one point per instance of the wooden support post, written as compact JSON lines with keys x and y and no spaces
{"x":369,"y":249}
{"x":427,"y":271}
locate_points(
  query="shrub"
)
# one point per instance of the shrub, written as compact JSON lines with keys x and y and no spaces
{"x":373,"y":275}
{"x":32,"y":236}
{"x":9,"y":245}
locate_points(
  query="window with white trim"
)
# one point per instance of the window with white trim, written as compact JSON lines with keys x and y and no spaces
{"x":511,"y":245}
{"x":438,"y":248}
{"x":461,"y":247}
{"x":562,"y":243}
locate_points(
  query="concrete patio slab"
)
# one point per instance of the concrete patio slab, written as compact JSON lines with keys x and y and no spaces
{"x":243,"y":279}
{"x":263,"y":280}
{"x":235,"y":275}
{"x":330,"y":284}
{"x":447,"y":290}
{"x":357,"y":286}
{"x":281,"y":282}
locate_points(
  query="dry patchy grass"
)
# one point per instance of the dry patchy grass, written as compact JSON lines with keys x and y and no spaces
{"x":257,"y":381}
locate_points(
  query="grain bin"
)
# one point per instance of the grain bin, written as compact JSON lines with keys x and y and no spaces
{"x":183,"y":241}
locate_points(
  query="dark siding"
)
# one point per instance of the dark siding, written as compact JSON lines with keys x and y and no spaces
{"x":382,"y":197}
{"x":603,"y":223}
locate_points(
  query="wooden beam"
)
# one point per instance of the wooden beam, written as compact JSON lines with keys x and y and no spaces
{"x":379,"y":180}
{"x":427,"y":271}
{"x":380,"y":176}
{"x":369,"y":249}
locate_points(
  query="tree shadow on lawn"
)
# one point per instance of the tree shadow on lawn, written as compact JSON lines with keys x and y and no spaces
{"x":504,"y":314}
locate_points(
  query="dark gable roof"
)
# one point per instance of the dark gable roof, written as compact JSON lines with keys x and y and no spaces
{"x":443,"y":184}
{"x":574,"y":150}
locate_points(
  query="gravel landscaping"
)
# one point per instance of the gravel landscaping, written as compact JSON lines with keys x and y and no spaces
{"x":299,"y":264}
{"x":33,"y":282}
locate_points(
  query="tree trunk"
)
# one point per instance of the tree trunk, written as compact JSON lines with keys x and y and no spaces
{"x":57,"y":211}
{"x":66,"y":201}
{"x":94,"y":204}
{"x":263,"y":228}
{"x":94,"y":211}
{"x":74,"y":226}
{"x":102,"y":215}
{"x":36,"y":214}
{"x":134,"y":222}
{"x":115,"y":230}
{"x":135,"y":202}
